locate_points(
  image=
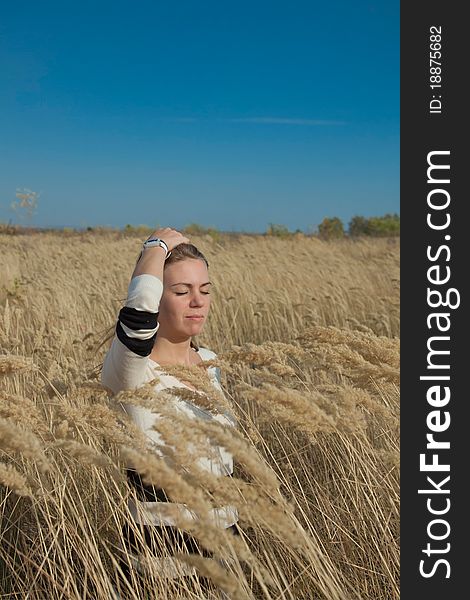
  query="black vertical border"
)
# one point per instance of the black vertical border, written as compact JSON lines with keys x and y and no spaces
{"x":421,"y":133}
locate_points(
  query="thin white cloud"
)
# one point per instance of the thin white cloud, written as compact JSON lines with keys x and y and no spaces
{"x":285,"y":121}
{"x":260,"y":120}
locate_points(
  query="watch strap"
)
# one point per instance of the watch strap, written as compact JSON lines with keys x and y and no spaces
{"x":158,"y":242}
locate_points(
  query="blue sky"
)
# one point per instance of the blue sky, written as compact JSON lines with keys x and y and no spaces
{"x":232,"y":115}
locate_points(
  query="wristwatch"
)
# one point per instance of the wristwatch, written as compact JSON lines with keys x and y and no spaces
{"x":152,"y":242}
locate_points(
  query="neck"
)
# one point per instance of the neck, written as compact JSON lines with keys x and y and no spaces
{"x":172,"y":352}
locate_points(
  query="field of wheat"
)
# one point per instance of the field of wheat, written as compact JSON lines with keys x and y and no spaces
{"x":307,"y":337}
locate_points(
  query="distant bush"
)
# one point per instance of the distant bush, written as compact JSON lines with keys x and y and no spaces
{"x":386,"y":226}
{"x":139,"y":229}
{"x":196,"y":229}
{"x":331,"y":228}
{"x":9,"y":229}
{"x":278,"y":231}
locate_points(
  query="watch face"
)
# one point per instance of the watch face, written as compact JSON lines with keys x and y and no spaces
{"x":152,"y":243}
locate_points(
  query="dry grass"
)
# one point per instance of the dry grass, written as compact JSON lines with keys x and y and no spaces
{"x":306,"y":333}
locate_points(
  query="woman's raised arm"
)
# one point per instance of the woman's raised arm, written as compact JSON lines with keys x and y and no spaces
{"x":125,"y":363}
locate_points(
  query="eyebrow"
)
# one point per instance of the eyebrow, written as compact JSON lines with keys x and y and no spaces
{"x":190,"y":284}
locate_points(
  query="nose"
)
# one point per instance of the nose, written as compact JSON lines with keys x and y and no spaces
{"x":197,"y":299}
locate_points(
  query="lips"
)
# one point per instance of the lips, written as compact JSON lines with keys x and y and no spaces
{"x":195,"y":317}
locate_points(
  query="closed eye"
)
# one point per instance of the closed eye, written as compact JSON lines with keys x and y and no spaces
{"x":182,"y":293}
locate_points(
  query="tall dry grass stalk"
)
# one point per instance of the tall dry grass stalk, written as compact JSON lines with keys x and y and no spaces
{"x":306,"y":333}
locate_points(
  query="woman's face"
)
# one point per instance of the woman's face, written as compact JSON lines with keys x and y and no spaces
{"x":185,"y":302}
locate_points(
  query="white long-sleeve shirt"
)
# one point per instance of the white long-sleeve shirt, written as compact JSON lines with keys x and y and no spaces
{"x":127,"y":366}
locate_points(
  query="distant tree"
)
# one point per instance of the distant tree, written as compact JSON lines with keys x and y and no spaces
{"x":386,"y":226}
{"x":331,"y":228}
{"x":25,"y":204}
{"x":358,"y":226}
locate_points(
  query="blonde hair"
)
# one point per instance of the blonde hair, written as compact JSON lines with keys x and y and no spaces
{"x":181,"y":252}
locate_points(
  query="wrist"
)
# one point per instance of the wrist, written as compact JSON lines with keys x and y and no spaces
{"x":154,"y":249}
{"x":156,"y":243}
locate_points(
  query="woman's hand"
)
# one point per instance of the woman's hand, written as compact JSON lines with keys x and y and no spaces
{"x":151,"y":260}
{"x":170,"y":236}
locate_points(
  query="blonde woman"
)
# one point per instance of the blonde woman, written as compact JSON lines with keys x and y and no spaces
{"x":167,"y":304}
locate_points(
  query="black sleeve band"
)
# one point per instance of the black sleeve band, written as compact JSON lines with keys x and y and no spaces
{"x":140,"y":347}
{"x":137,"y":319}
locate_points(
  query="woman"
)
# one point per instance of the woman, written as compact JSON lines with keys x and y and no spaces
{"x":167,"y":304}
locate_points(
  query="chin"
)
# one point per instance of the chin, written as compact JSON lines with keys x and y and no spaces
{"x":194,"y":329}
